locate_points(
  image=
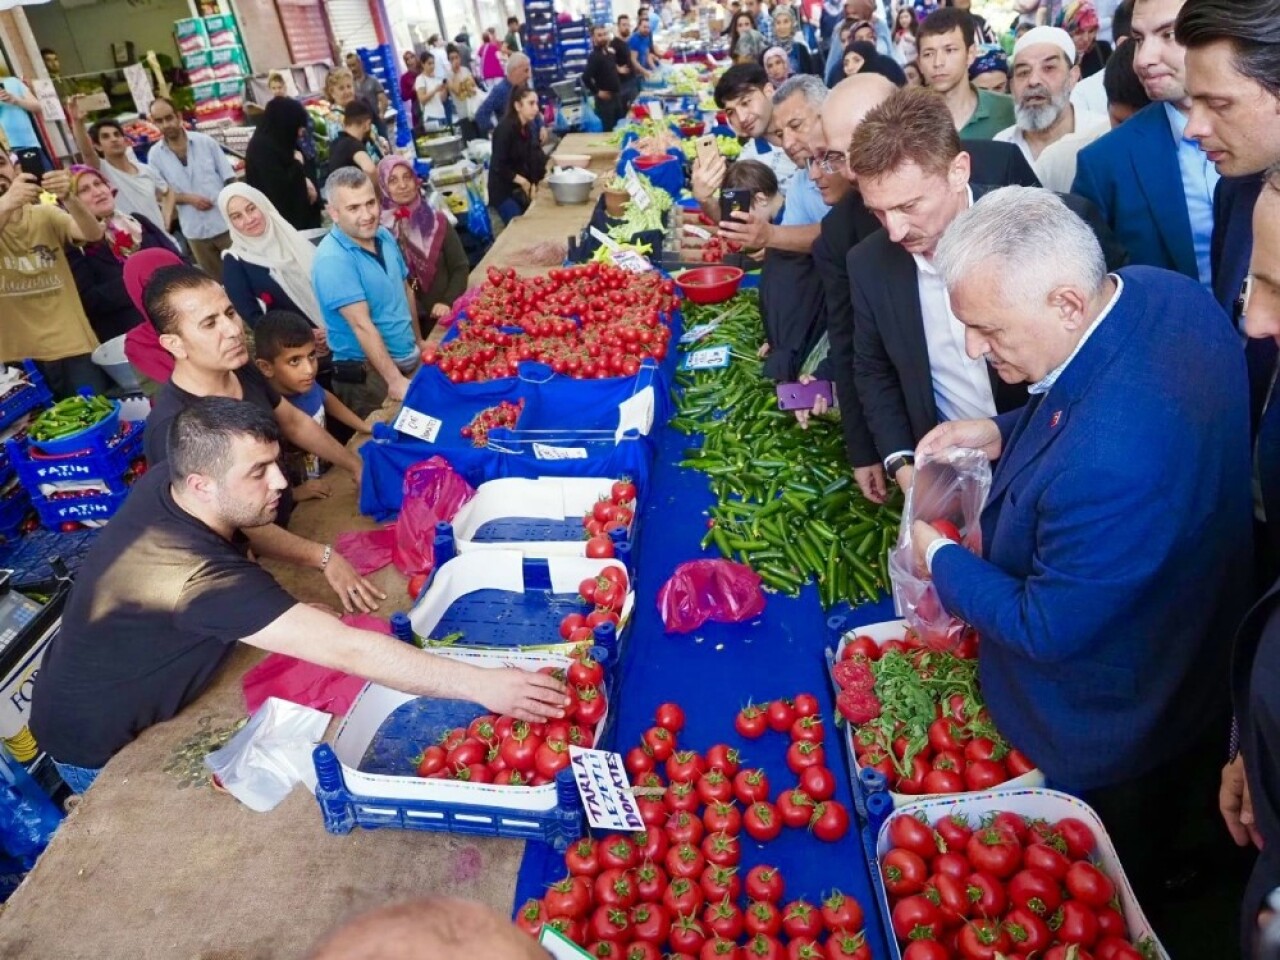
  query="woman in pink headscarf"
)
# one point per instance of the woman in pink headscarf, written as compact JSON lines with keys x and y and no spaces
{"x":438,"y":264}
{"x":1080,"y":19}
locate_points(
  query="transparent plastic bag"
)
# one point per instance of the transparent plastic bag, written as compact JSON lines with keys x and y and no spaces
{"x":271,"y":753}
{"x":433,"y":492}
{"x":703,"y":590}
{"x":949,"y":490}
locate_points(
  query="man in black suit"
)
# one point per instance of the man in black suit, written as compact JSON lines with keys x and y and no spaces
{"x":601,"y":77}
{"x":911,"y":366}
{"x":999,"y":164}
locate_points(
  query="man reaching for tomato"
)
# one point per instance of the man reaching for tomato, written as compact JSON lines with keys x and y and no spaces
{"x":1115,"y":538}
{"x":167,"y":590}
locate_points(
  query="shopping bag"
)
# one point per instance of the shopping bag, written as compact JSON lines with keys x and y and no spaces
{"x":949,"y":491}
{"x":590,"y":121}
{"x":433,"y":493}
{"x":703,"y":590}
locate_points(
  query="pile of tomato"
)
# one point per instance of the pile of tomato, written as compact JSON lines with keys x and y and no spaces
{"x":510,"y":752}
{"x":612,"y":513}
{"x":675,"y":890}
{"x":606,"y":594}
{"x":504,"y":414}
{"x":1007,"y":887}
{"x":953,"y":748}
{"x":590,"y":322}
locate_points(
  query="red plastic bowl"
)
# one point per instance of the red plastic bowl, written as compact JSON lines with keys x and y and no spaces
{"x":710,"y":284}
{"x":692,"y":129}
{"x":650,"y":160}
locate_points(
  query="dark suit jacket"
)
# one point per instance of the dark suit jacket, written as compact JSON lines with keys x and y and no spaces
{"x":1100,"y":660}
{"x":1132,"y":176}
{"x":847,"y":225}
{"x":891,"y":357}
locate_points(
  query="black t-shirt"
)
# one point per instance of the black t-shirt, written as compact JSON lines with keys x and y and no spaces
{"x":343,"y":150}
{"x":622,"y":54}
{"x":157,"y":605}
{"x":172,"y":400}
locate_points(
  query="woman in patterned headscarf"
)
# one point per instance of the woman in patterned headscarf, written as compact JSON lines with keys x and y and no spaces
{"x":98,"y":267}
{"x":785,"y":29}
{"x":1080,"y":19}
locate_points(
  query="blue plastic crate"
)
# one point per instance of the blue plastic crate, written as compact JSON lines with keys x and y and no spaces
{"x":92,"y":507}
{"x":102,"y":459}
{"x":31,"y":558}
{"x":14,"y":510}
{"x":394,"y":797}
{"x":25,"y":397}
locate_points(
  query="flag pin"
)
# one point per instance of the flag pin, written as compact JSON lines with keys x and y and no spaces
{"x":1057,"y":415}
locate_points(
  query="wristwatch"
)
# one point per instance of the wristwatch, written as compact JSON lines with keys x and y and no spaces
{"x":897,"y":462}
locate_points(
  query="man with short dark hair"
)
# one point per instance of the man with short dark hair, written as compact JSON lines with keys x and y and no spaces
{"x":641,"y":43}
{"x":139,"y":188}
{"x":602,"y":79}
{"x":628,"y":72}
{"x":350,"y":148}
{"x":168,"y":589}
{"x":362,"y":285}
{"x":1124,"y":90}
{"x":369,"y":90}
{"x":946,"y":43}
{"x":910,"y":363}
{"x":512,"y":40}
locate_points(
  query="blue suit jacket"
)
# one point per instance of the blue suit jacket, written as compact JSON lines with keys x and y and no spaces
{"x":1117,"y":542}
{"x":1131,"y":174}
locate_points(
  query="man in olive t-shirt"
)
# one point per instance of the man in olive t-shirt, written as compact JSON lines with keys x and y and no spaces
{"x":43,"y":317}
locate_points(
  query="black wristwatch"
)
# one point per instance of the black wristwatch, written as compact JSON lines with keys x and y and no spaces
{"x":897,"y":462}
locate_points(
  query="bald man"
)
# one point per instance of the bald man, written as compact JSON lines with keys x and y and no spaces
{"x":848,"y":223}
{"x":429,"y":930}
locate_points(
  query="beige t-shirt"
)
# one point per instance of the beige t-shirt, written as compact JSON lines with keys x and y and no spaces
{"x":40,"y":312}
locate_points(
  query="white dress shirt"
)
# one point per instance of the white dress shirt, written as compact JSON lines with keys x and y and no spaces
{"x":961,"y":386}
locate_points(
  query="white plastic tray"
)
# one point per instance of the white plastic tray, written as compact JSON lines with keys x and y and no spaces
{"x":375,"y":703}
{"x":882,"y":633}
{"x":1030,"y":803}
{"x":544,"y":498}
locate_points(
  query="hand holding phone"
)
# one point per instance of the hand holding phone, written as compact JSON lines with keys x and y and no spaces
{"x":797,"y":395}
{"x":734,"y":199}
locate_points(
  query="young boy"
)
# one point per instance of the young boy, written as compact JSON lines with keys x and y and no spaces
{"x":285,"y":345}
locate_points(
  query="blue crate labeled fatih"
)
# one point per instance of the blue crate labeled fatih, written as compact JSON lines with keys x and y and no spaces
{"x":91,"y":508}
{"x":500,"y":599}
{"x":105,"y":459}
{"x":368,"y":778}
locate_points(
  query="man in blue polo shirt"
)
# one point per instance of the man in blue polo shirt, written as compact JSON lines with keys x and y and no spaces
{"x":362,"y":285}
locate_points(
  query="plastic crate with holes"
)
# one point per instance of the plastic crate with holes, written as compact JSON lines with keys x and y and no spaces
{"x":22,"y":389}
{"x":368,"y":777}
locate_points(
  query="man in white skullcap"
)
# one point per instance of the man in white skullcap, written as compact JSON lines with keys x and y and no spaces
{"x":1048,"y":129}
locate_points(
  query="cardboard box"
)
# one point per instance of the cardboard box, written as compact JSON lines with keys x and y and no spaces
{"x":222,"y":30}
{"x":191,"y":35}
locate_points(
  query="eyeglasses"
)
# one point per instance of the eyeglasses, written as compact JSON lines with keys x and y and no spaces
{"x":833,"y":161}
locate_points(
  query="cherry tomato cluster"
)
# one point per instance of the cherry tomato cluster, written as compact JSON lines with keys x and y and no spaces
{"x":515,"y":753}
{"x":954,"y":749}
{"x":614,"y":512}
{"x":717,"y":248}
{"x":607,"y":595}
{"x":505,"y":414}
{"x":674,"y":890}
{"x":590,"y":322}
{"x":1009,"y":887}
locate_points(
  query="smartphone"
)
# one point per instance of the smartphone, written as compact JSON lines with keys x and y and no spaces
{"x":734,"y":199}
{"x":29,"y":162}
{"x":801,"y":396}
{"x":707,"y":149}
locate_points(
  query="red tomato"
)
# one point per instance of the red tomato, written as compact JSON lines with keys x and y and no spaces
{"x":717,"y":948}
{"x":660,"y":743}
{"x":687,"y":935}
{"x":818,"y":782}
{"x":1079,"y":838}
{"x":599,"y":548}
{"x":751,"y":722}
{"x":720,"y":882}
{"x":641,"y":950}
{"x":581,"y":858}
{"x":685,"y":860}
{"x":848,"y":946}
{"x":954,"y":830}
{"x":684,"y":827}
{"x":714,"y":787}
{"x":951,"y":864}
{"x":1035,"y":891}
{"x":1019,"y":764}
{"x":912,"y":833}
{"x":984,"y":774}
{"x":1110,"y":923}
{"x":805,"y":949}
{"x":615,"y":888}
{"x":721,"y":849}
{"x":750,"y":786}
{"x":801,"y":919}
{"x":571,"y":898}
{"x":762,"y":917}
{"x":951,"y":897}
{"x":946,"y":734}
{"x":520,"y":750}
{"x":830,"y":821}
{"x":763,"y":947}
{"x":670,"y":717}
{"x":926,"y":950}
{"x":762,"y":821}
{"x":685,"y":765}
{"x":617,"y":852}
{"x":781,"y":715}
{"x":639,"y":760}
{"x":1079,"y":925}
{"x":623,"y":491}
{"x":683,"y":897}
{"x":651,"y":923}
{"x":1116,"y":948}
{"x":431,"y":761}
{"x":591,"y":706}
{"x":995,"y":851}
{"x":571,"y":623}
{"x":609,"y":923}
{"x":722,"y":818}
{"x":904,"y":872}
{"x":795,"y":807}
{"x":651,"y":880}
{"x":723,"y":758}
{"x":575,"y":930}
{"x":861,"y":646}
{"x":682,"y":796}
{"x":916,"y":918}
{"x":530,"y":917}
{"x":584,"y":671}
{"x":416,"y":583}
{"x":1090,"y":885}
{"x":807,"y":728}
{"x":1029,"y":935}
{"x":986,"y":894}
{"x":841,"y":913}
{"x":653,"y":812}
{"x":1014,"y":823}
{"x":983,"y":940}
{"x":765,"y":883}
{"x":552,"y":757}
{"x":1042,"y":857}
{"x":723,"y":919}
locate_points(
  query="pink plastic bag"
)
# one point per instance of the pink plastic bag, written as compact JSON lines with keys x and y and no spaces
{"x":432,"y":493}
{"x":309,"y":684}
{"x":703,"y":590}
{"x":950,"y":488}
{"x":367,"y":550}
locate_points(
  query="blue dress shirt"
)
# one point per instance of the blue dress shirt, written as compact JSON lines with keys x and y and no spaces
{"x":1199,"y":179}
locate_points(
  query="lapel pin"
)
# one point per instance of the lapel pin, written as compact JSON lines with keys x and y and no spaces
{"x":1057,"y":415}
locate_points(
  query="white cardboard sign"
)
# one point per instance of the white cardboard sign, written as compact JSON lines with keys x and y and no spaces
{"x":417,"y":424}
{"x":605,"y":790}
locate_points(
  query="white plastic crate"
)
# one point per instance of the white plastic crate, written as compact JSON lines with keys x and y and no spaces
{"x":565,"y":499}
